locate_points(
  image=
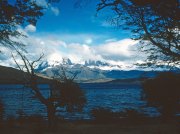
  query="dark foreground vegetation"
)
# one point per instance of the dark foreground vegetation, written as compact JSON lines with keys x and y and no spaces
{"x":154,"y":23}
{"x":161,"y":92}
{"x":104,"y":121}
{"x":131,"y":123}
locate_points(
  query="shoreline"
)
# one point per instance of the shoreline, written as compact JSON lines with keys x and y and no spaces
{"x":148,"y":126}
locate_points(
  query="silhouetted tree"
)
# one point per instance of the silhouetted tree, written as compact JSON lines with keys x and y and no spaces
{"x":70,"y":95}
{"x":163,"y":92}
{"x":15,"y":13}
{"x":63,"y":93}
{"x":154,"y":22}
{"x":102,"y":114}
{"x":1,"y":111}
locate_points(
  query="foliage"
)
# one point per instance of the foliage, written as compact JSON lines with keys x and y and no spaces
{"x":154,"y":22}
{"x":18,"y":13}
{"x":1,"y":111}
{"x":163,"y":92}
{"x":133,"y":114}
{"x":106,"y":115}
{"x":70,"y":95}
{"x":64,"y":92}
{"x":102,"y":114}
{"x":13,"y":15}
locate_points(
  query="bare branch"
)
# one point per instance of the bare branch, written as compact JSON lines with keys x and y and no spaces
{"x":35,"y":61}
{"x":16,"y":62}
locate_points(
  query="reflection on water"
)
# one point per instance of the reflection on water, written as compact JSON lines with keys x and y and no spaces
{"x":116,"y":97}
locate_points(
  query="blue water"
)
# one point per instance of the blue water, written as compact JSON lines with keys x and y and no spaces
{"x":114,"y":96}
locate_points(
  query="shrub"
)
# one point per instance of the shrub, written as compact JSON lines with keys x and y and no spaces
{"x":102,"y":114}
{"x":1,"y":111}
{"x":106,"y":115}
{"x":133,"y":114}
{"x":163,"y":92}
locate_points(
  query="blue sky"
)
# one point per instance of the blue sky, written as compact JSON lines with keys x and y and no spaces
{"x":77,"y":34}
{"x":71,"y":20}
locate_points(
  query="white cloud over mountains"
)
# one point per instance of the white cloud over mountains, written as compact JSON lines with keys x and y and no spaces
{"x":55,"y":49}
{"x":119,"y":52}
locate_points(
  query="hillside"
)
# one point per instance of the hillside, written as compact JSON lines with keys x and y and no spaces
{"x":9,"y":75}
{"x":92,"y":71}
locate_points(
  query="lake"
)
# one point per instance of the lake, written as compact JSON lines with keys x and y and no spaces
{"x":114,"y":96}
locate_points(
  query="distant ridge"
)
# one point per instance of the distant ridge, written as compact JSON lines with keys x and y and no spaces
{"x":9,"y":75}
{"x":98,"y":71}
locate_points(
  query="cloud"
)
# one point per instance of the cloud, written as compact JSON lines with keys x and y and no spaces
{"x":55,"y":49}
{"x":88,"y":41}
{"x":42,"y":3}
{"x":48,"y":6}
{"x":30,"y":28}
{"x":120,"y":52}
{"x":83,"y":52}
{"x":82,"y":38}
{"x":117,"y":50}
{"x":5,"y":57}
{"x":111,"y":40}
{"x":55,"y":10}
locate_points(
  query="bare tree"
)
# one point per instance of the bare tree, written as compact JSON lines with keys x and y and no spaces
{"x":155,"y":23}
{"x":15,"y":14}
{"x":28,"y":69}
{"x":71,"y":96}
{"x":1,"y":111}
{"x":63,"y":93}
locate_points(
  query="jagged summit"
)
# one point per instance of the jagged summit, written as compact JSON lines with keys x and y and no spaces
{"x":93,"y":70}
{"x":89,"y":63}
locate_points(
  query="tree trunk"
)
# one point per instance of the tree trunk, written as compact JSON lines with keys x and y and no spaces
{"x":1,"y":111}
{"x":51,"y":111}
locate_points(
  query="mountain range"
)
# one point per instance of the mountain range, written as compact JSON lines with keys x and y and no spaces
{"x":91,"y":71}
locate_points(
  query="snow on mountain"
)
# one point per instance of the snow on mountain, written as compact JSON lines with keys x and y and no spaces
{"x":92,"y":70}
{"x":84,"y":72}
{"x":87,"y":65}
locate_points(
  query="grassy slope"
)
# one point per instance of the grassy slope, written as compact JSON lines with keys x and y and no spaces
{"x":9,"y":75}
